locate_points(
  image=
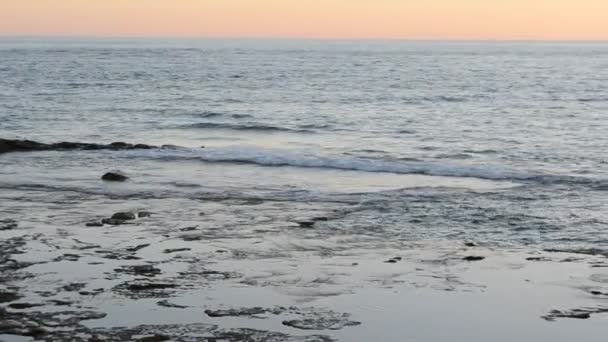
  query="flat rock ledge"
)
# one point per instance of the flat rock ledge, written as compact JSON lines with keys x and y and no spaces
{"x":7,"y":146}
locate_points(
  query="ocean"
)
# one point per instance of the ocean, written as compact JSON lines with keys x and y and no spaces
{"x":495,"y":144}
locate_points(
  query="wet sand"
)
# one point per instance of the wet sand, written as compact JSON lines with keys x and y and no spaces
{"x":255,"y":269}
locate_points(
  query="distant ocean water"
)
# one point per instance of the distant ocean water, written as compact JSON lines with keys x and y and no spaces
{"x":497,"y":142}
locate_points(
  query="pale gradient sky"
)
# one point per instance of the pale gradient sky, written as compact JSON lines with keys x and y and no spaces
{"x":407,"y":19}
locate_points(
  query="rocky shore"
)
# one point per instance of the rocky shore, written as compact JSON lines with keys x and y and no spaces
{"x":8,"y":145}
{"x":96,"y":267}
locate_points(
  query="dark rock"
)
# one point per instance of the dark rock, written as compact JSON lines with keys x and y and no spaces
{"x":94,"y":224}
{"x":125,"y":216}
{"x":7,"y":146}
{"x":114,"y":177}
{"x":470,"y":244}
{"x":8,"y":224}
{"x":21,"y":306}
{"x":119,"y":145}
{"x":174,"y":250}
{"x":143,"y":147}
{"x":306,"y":224}
{"x":473,"y":258}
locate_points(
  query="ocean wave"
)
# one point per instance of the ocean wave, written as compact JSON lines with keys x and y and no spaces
{"x":245,"y":127}
{"x":280,"y":158}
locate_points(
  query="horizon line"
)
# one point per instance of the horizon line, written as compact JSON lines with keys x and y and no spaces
{"x":297,"y":38}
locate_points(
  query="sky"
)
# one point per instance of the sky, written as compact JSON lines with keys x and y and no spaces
{"x":340,"y":19}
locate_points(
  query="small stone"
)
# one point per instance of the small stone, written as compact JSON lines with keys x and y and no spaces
{"x":470,"y":244}
{"x":125,"y":216}
{"x":114,"y":177}
{"x":306,"y":224}
{"x":473,"y":258}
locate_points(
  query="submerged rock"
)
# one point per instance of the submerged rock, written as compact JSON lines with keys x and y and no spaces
{"x":94,"y":224}
{"x":114,"y":177}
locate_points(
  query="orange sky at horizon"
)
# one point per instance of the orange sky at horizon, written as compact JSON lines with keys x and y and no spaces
{"x":350,"y":19}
